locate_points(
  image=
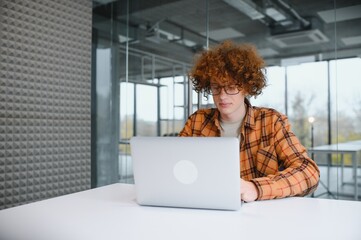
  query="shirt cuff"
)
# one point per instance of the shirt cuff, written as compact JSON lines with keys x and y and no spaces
{"x":267,"y":188}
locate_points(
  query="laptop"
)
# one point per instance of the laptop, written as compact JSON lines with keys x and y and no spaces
{"x":187,"y":172}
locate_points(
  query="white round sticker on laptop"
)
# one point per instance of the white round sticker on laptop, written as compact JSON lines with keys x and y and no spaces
{"x":185,"y":172}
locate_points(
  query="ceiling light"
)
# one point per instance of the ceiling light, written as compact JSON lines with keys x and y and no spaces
{"x":186,"y":42}
{"x":275,"y":14}
{"x":247,"y":7}
{"x":223,"y":33}
{"x":299,"y":38}
{"x":158,"y":35}
{"x":354,"y":40}
{"x":341,"y":14}
{"x":297,"y":60}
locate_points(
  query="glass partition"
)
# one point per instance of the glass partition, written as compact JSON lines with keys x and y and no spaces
{"x":144,"y":50}
{"x":346,"y":96}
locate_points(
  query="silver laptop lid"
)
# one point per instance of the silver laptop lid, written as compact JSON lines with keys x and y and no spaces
{"x":192,"y":172}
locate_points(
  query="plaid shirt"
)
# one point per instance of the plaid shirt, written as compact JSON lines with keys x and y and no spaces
{"x":271,"y":156}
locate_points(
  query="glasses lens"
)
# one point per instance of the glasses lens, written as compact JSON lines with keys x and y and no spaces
{"x":231,"y":90}
{"x":215,"y":89}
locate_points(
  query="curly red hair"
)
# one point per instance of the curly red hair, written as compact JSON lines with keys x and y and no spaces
{"x":229,"y":63}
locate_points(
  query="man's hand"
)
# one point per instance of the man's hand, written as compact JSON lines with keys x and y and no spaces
{"x":249,"y":192}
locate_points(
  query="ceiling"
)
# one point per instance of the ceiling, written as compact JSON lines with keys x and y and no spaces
{"x":285,"y":31}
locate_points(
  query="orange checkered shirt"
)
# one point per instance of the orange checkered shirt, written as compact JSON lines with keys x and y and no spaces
{"x":271,"y":156}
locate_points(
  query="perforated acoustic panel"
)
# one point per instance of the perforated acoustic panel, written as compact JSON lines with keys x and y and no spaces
{"x":45,"y":61}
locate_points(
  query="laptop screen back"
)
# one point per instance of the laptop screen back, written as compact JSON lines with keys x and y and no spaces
{"x":191,"y":172}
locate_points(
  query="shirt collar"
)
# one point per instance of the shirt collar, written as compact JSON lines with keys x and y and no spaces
{"x":249,"y":120}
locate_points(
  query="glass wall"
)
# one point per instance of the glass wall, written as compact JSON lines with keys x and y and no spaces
{"x":144,"y":49}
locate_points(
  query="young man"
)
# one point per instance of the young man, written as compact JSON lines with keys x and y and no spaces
{"x":273,"y":162}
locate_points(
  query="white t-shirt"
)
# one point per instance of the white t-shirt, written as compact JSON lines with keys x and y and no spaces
{"x":230,"y":129}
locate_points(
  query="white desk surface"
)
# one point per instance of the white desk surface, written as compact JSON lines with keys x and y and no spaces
{"x":111,"y":212}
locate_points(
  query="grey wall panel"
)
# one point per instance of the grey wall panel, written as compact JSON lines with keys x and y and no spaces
{"x":45,"y":61}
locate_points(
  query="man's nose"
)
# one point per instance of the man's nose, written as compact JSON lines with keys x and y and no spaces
{"x":222,"y":93}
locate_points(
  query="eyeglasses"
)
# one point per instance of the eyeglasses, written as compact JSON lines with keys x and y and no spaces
{"x":230,"y":89}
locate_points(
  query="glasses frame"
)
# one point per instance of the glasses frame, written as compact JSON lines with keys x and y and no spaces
{"x":225,"y":88}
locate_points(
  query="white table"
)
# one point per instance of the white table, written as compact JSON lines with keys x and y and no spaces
{"x":111,"y":212}
{"x":353,"y":148}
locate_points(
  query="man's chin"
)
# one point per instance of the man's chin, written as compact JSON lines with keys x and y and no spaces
{"x":224,"y":112}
